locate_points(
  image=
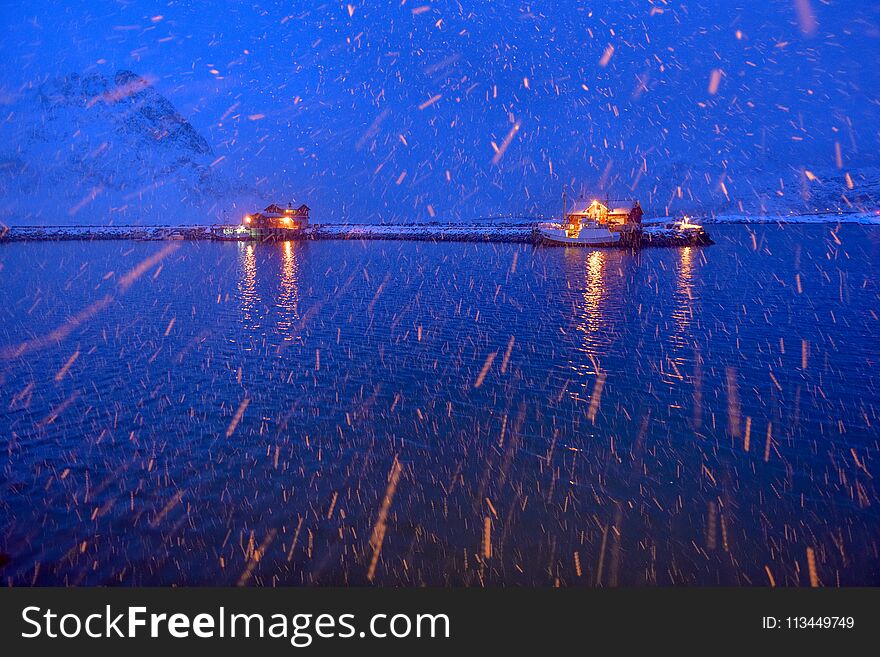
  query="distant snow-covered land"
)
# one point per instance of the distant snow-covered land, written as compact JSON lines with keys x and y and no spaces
{"x":790,"y":218}
{"x":808,"y":218}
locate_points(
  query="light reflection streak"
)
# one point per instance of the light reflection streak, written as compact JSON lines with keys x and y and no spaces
{"x":288,"y":296}
{"x":247,"y":285}
{"x":590,"y":308}
{"x":682,"y":317}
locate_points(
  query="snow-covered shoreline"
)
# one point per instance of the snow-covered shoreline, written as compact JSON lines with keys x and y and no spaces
{"x":656,"y":229}
{"x":149,"y":233}
{"x":499,"y":232}
{"x":523,"y":233}
{"x":866,"y":218}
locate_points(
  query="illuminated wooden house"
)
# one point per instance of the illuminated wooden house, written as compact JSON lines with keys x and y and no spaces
{"x":613,"y":214}
{"x":278,"y":219}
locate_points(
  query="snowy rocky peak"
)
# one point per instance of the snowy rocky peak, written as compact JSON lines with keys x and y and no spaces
{"x":108,"y":149}
{"x":134,"y":104}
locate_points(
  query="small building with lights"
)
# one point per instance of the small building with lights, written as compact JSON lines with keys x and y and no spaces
{"x":614,"y":214}
{"x":278,"y":219}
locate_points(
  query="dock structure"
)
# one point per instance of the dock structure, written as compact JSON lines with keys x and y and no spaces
{"x":621,"y":220}
{"x":671,"y":234}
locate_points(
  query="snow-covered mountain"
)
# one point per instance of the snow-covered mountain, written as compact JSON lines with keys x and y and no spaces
{"x":98,"y":149}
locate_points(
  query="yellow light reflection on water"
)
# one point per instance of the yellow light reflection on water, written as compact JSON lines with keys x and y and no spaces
{"x":682,"y":316}
{"x":287,"y":302}
{"x":683,"y":311}
{"x":590,"y":322}
{"x":247,"y":285}
{"x":593,"y":294}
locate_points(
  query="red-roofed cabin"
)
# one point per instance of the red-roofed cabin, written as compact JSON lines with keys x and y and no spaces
{"x":276,"y":217}
{"x":614,"y":214}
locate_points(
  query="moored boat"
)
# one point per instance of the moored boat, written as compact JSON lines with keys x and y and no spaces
{"x":581,"y":234}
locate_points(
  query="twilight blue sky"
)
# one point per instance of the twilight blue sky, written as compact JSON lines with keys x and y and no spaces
{"x":395,"y":109}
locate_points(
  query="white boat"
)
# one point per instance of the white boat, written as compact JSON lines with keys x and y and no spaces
{"x":587,"y":233}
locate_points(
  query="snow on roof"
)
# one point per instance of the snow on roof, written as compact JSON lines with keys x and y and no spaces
{"x":275,"y":209}
{"x":620,"y":206}
{"x":579,"y":207}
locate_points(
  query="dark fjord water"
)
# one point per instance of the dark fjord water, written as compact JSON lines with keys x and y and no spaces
{"x":289,"y":414}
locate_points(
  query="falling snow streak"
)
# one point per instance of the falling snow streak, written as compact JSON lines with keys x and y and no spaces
{"x":239,"y":413}
{"x":500,"y":150}
{"x":381,"y":525}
